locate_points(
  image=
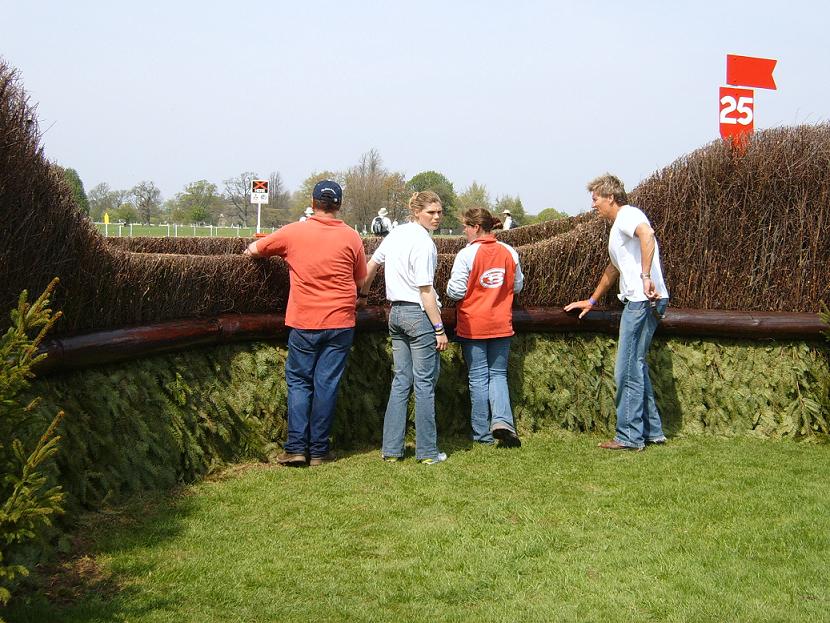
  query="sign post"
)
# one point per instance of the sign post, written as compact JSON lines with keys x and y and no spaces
{"x":259,"y":195}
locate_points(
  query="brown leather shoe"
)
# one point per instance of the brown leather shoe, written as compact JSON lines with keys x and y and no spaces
{"x":319,"y":460}
{"x":291,"y":460}
{"x":613,"y":444}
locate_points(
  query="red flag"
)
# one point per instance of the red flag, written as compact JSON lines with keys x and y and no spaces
{"x":747,"y":71}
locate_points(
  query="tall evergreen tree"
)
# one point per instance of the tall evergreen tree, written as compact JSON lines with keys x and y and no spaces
{"x":73,"y":180}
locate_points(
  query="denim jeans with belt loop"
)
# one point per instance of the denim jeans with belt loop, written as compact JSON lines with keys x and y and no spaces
{"x":637,"y":418}
{"x":489,"y":395}
{"x":315,"y":363}
{"x":417,"y":362}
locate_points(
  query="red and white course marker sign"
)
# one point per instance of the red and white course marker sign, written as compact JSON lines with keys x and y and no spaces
{"x":737,"y":112}
{"x":737,"y":105}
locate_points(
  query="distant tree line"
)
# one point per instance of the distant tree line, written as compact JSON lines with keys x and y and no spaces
{"x":368,"y":187}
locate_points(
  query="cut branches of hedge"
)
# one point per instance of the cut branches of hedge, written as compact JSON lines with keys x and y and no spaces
{"x":180,"y":246}
{"x":746,"y":233}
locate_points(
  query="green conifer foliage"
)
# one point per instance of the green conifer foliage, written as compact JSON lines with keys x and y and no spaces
{"x":711,"y":387}
{"x":27,"y":498}
{"x":150,"y":423}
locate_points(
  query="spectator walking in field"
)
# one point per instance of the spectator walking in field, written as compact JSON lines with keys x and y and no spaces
{"x":410,"y":258}
{"x":381,"y":225}
{"x":485,"y":275}
{"x":327,"y":266}
{"x":508,"y":220}
{"x":635,"y":262}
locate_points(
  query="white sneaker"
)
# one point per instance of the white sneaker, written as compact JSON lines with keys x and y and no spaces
{"x":440,"y":458}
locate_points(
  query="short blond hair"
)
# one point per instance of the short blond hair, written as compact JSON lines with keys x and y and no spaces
{"x":609,"y":186}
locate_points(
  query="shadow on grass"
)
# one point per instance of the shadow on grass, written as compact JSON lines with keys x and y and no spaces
{"x":81,"y":586}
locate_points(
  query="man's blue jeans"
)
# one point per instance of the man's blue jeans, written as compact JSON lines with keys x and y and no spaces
{"x":417,"y":361}
{"x":487,"y":371}
{"x":316,"y":360}
{"x":637,"y":418}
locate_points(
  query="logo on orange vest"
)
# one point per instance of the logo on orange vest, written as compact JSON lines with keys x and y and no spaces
{"x":493,"y":278}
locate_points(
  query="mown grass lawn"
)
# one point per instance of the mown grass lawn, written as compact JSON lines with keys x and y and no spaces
{"x":702,"y":529}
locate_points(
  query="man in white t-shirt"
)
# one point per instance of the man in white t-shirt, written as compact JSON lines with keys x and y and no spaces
{"x":635,"y":262}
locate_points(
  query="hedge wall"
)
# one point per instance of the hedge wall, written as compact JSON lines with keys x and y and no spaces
{"x":151,"y":423}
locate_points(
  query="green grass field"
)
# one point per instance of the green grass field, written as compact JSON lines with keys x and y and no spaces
{"x":702,"y":529}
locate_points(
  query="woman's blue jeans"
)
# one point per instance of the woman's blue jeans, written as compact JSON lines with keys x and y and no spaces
{"x":315,"y":363}
{"x":637,"y":418}
{"x":489,"y":395}
{"x":417,"y":362}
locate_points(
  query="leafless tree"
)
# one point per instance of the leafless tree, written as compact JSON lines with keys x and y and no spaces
{"x":278,"y":211}
{"x":147,"y":200}
{"x":237,"y":195}
{"x":103,"y":199}
{"x":368,"y":188}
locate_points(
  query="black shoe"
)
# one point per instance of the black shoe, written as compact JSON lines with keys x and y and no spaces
{"x":316,"y":461}
{"x":507,"y":437}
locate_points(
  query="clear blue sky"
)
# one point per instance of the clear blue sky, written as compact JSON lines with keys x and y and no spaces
{"x":528,"y":98}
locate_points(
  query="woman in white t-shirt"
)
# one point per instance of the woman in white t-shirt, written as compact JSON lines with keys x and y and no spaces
{"x":409,"y":258}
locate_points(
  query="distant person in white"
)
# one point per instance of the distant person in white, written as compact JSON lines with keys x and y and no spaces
{"x":308,"y":212}
{"x":508,"y":220}
{"x":381,"y":225}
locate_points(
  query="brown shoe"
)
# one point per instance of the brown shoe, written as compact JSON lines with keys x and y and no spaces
{"x":613,"y":444}
{"x":291,"y":460}
{"x":319,"y":460}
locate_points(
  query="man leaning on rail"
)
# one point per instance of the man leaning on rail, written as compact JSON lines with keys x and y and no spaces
{"x":635,"y":261}
{"x":327,"y":266}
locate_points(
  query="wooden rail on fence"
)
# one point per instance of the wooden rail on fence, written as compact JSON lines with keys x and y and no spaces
{"x":113,"y":345}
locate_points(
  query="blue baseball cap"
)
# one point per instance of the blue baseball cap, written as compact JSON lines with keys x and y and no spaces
{"x":326,"y":190}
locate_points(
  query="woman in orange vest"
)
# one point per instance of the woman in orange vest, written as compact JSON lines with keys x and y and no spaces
{"x":485,"y":276}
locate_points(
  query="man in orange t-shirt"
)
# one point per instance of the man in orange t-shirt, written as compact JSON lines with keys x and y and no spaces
{"x":327,"y":266}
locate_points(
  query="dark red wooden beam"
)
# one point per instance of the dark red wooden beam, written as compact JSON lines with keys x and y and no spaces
{"x":678,"y":321}
{"x":103,"y":347}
